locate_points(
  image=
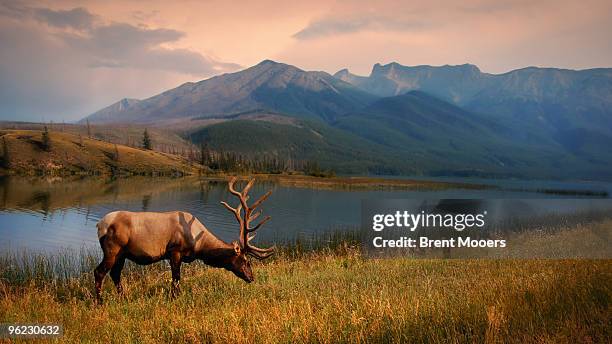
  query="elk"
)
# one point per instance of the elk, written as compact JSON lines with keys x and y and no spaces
{"x":148,"y":237}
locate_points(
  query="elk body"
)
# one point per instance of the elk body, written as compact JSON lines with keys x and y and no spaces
{"x":148,"y":237}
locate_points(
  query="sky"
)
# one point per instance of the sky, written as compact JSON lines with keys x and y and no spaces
{"x":62,"y":60}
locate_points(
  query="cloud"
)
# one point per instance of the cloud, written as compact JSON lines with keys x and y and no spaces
{"x":384,"y":16}
{"x":332,"y":26}
{"x":145,"y":15}
{"x":121,"y":45}
{"x":69,"y":63}
{"x":77,"y":18}
{"x":403,"y":16}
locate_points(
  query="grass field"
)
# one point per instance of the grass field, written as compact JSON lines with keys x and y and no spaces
{"x":333,"y":295}
{"x":163,"y":139}
{"x":69,"y":153}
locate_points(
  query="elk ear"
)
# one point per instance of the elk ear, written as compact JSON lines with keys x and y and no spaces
{"x":236,"y":248}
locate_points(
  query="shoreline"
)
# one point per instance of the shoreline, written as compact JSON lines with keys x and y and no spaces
{"x":352,"y":183}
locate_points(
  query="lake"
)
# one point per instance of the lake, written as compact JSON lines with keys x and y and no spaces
{"x":48,"y":214}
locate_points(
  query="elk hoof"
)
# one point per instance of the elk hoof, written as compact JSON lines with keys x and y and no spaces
{"x":176,"y":290}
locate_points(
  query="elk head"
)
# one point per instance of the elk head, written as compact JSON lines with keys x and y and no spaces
{"x":239,"y":262}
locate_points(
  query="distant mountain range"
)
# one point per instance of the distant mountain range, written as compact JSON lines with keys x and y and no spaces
{"x":558,"y":99}
{"x":448,"y":120}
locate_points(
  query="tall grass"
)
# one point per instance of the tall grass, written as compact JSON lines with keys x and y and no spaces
{"x":317,"y":293}
{"x":19,"y":268}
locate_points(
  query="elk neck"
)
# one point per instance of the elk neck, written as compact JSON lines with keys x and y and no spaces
{"x":212,"y":250}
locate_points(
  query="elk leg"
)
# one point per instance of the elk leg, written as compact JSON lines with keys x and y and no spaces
{"x":116,"y":274}
{"x":111,"y":251}
{"x":101,"y":271}
{"x":175,"y":265}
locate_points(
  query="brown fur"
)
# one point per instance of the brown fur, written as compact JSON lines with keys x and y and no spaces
{"x":146,"y":238}
{"x":179,"y":237}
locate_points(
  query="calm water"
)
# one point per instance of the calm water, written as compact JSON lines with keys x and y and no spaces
{"x":49,"y":214}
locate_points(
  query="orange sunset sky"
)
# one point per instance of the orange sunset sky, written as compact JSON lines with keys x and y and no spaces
{"x":61,"y":60}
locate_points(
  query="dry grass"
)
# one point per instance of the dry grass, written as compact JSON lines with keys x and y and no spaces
{"x":163,"y":137}
{"x":70,"y":153}
{"x":331,"y":296}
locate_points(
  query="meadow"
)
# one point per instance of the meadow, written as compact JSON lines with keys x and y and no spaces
{"x":24,"y":152}
{"x":324,"y":294}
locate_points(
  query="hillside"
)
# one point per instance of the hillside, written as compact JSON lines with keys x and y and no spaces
{"x":164,"y":139}
{"x":442,"y":138}
{"x":269,"y":85}
{"x":69,"y":153}
{"x":413,"y":133}
{"x":304,"y":140}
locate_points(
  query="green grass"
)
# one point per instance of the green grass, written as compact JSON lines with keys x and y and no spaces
{"x":331,"y":294}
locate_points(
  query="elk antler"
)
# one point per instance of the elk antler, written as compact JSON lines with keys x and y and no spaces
{"x":245,"y":222}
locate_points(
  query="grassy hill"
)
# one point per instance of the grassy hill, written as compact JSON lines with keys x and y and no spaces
{"x":163,"y":139}
{"x":24,"y":152}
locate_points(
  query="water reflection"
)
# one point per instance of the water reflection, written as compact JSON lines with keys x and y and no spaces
{"x":52,"y":213}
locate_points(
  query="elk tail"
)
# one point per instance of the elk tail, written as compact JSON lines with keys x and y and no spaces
{"x":102,"y":228}
{"x":104,"y":225}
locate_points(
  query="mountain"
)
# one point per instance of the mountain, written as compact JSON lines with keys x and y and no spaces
{"x":555,"y":99}
{"x":269,"y":85}
{"x":437,"y":137}
{"x":449,"y":120}
{"x":112,"y":111}
{"x":418,"y":120}
{"x":333,"y":148}
{"x":552,"y":99}
{"x":450,"y":83}
{"x":412,"y":133}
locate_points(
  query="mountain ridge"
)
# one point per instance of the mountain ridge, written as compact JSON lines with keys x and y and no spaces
{"x":269,"y":84}
{"x":556,"y":96}
{"x":425,"y":119}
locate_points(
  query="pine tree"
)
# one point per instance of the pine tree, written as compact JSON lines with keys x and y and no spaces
{"x":116,"y":155}
{"x":46,"y":140}
{"x":88,"y":129}
{"x":146,"y":140}
{"x":204,"y":154}
{"x":6,"y":158}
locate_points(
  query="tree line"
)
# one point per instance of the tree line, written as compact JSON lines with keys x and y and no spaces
{"x":225,"y":161}
{"x":232,"y":162}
